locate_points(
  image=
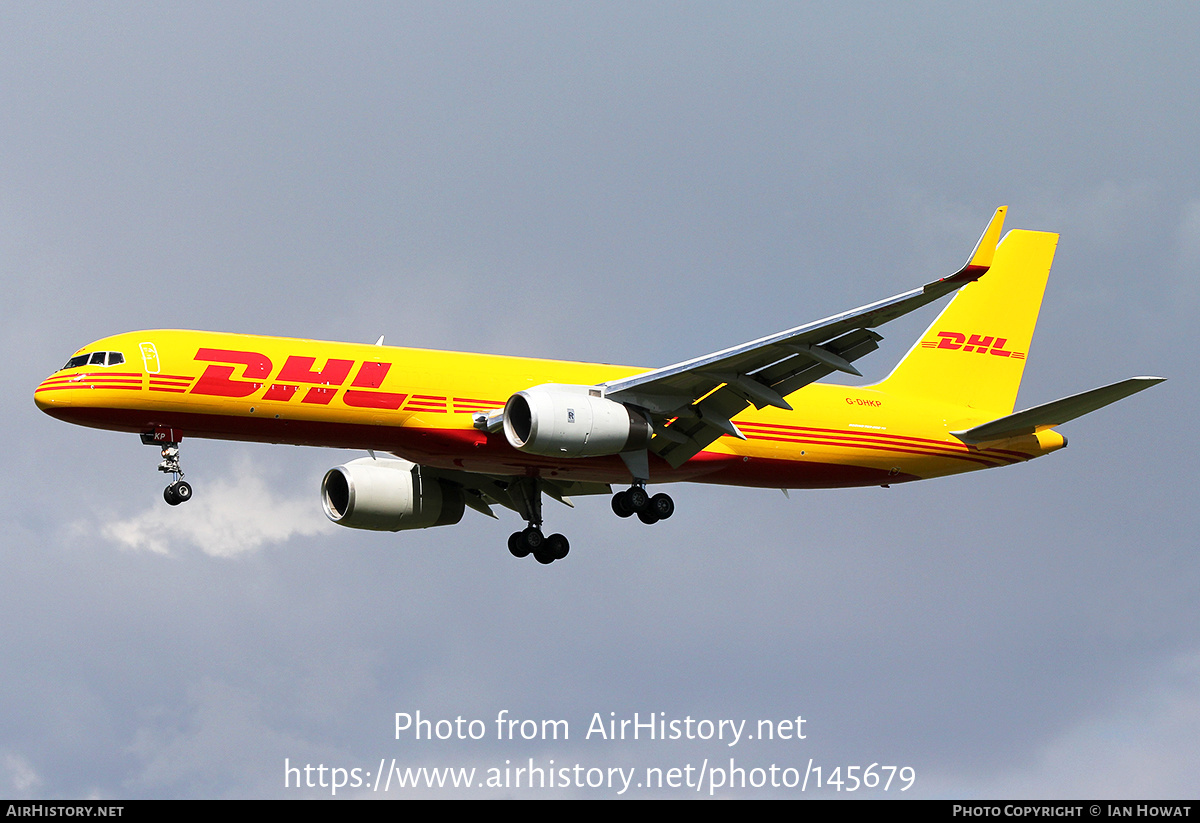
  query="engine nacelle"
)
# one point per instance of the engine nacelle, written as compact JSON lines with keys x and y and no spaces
{"x":558,"y":420}
{"x":388,"y":495}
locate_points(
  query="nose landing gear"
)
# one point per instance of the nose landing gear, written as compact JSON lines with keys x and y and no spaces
{"x":179,"y":490}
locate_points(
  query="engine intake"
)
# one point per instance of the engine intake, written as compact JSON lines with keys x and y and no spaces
{"x":558,"y":420}
{"x":389,"y":495}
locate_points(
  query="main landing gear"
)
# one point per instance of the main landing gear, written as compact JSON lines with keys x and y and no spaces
{"x":179,"y":490}
{"x":636,"y":500}
{"x":545,"y":550}
{"x":527,"y":494}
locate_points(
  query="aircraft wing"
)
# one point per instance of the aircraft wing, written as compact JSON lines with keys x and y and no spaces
{"x":516,"y":493}
{"x":690,"y":404}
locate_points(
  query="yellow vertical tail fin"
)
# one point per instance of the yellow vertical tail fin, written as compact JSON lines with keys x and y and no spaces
{"x":974,"y":353}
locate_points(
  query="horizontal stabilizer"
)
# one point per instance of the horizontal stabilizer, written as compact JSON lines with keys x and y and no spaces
{"x":1052,"y":414}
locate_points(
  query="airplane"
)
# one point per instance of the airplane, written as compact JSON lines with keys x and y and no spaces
{"x":477,"y":430}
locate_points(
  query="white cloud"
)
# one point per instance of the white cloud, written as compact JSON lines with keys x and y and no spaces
{"x":228,"y":517}
{"x":19,"y":776}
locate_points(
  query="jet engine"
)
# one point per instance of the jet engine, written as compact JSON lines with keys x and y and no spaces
{"x":558,"y":420}
{"x":389,"y":495}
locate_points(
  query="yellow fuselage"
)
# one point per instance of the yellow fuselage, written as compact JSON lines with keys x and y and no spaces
{"x":419,"y":404}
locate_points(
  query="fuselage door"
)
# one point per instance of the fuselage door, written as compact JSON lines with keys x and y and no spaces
{"x":149,"y":357}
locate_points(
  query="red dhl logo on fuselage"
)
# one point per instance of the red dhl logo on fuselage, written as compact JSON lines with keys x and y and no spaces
{"x":977,"y":343}
{"x":298,"y":372}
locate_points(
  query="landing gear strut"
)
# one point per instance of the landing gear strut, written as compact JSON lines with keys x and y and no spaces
{"x":178,"y":491}
{"x":635,"y":500}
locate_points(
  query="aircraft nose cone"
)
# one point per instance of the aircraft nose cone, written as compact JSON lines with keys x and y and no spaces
{"x":47,"y":400}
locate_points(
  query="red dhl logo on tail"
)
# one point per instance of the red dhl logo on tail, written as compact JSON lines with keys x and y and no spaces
{"x":977,"y":343}
{"x":297,"y":371}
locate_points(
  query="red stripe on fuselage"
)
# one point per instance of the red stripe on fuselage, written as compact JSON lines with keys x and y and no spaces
{"x":475,"y":451}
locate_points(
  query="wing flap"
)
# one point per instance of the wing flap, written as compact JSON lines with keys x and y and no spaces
{"x":791,"y":375}
{"x":701,"y":424}
{"x":513,"y":492}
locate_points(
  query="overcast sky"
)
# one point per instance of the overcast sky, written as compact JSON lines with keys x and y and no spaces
{"x":631,"y":183}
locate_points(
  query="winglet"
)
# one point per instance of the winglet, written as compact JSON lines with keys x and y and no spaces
{"x":981,"y":258}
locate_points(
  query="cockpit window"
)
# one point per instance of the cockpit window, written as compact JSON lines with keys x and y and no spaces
{"x":96,"y":358}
